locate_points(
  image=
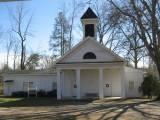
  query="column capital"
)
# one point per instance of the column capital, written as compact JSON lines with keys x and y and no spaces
{"x":58,"y":69}
{"x":77,"y":68}
{"x":101,"y":68}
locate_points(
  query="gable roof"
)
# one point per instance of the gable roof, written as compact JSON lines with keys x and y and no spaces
{"x":89,"y":14}
{"x":82,"y":43}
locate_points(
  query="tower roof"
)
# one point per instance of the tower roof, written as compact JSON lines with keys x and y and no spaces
{"x":89,"y":14}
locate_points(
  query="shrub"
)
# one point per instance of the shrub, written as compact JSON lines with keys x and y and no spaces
{"x":19,"y":94}
{"x":41,"y":93}
{"x":150,"y":86}
{"x":52,"y":93}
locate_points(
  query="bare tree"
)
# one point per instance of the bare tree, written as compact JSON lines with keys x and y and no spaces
{"x":21,"y":24}
{"x":103,"y":26}
{"x":32,"y":61}
{"x":76,"y":7}
{"x":15,"y":54}
{"x":146,"y":14}
{"x":59,"y":43}
{"x":107,"y":26}
{"x":9,"y":46}
{"x":47,"y":62}
{"x":133,"y":45}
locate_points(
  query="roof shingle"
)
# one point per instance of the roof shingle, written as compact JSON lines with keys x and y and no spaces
{"x":89,"y":14}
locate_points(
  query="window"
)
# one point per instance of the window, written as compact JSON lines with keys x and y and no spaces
{"x":9,"y":82}
{"x":27,"y":85}
{"x":89,"y":55}
{"x":131,"y":85}
{"x":89,"y":30}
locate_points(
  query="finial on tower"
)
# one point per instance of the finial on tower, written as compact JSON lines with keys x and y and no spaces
{"x":89,"y":21}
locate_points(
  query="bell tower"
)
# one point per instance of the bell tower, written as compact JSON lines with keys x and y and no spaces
{"x":89,"y":22}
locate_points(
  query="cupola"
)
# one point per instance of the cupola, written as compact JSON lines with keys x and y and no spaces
{"x":89,"y":22}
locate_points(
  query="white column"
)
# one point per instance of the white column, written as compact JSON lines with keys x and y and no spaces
{"x":78,"y":83}
{"x":123,"y":83}
{"x":59,"y":96}
{"x":101,"y":92}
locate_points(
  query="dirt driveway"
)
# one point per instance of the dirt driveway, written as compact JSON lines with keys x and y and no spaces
{"x":50,"y":109}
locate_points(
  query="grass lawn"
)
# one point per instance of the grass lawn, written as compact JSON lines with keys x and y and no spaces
{"x":51,"y":109}
{"x":7,"y":100}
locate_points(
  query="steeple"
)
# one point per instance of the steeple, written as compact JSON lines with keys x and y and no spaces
{"x":89,"y":22}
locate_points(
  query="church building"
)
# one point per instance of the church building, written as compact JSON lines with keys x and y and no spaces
{"x":91,"y":70}
{"x":88,"y":70}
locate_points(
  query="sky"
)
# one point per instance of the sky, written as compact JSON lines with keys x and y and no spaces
{"x":44,"y":13}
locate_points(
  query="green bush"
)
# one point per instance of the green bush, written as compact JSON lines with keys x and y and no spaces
{"x":19,"y":94}
{"x":52,"y":93}
{"x":150,"y":86}
{"x":41,"y":93}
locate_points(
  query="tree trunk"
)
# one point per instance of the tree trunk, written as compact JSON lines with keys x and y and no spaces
{"x":135,"y":64}
{"x":22,"y":56}
{"x":14,"y":65}
{"x":135,"y":57}
{"x":7,"y":59}
{"x":158,"y":68}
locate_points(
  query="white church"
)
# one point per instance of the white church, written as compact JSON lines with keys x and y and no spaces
{"x":88,"y":70}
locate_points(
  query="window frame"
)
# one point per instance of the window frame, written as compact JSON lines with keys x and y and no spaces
{"x":89,"y":56}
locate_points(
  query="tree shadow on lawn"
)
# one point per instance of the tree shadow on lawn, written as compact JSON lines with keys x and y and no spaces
{"x":108,"y":111}
{"x":114,"y":108}
{"x":46,"y":101}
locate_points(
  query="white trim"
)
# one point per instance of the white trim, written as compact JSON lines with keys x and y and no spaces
{"x":59,"y":88}
{"x":108,"y":50}
{"x":70,"y":51}
{"x":101,"y":90}
{"x":123,"y":83}
{"x":82,"y":42}
{"x":78,"y":83}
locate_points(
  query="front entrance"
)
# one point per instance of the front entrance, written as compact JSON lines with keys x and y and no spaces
{"x":68,"y":83}
{"x":74,"y":88}
{"x":107,"y":88}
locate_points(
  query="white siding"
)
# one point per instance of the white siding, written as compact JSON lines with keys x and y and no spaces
{"x":89,"y":82}
{"x":42,"y":82}
{"x":136,"y":76}
{"x":113,"y":78}
{"x":68,"y":81}
{"x":89,"y":46}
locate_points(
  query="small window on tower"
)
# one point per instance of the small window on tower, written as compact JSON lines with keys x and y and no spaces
{"x":89,"y":30}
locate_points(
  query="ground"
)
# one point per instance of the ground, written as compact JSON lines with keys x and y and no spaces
{"x":50,"y":109}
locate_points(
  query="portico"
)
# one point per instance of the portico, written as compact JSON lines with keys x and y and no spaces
{"x":81,"y":81}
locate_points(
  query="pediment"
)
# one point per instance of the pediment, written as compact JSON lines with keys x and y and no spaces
{"x":89,"y":45}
